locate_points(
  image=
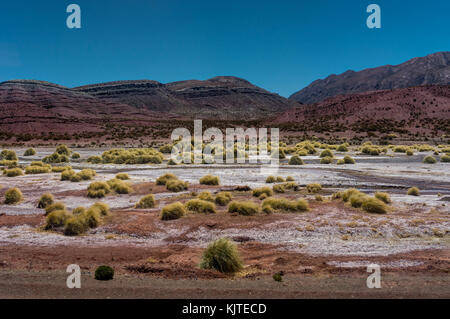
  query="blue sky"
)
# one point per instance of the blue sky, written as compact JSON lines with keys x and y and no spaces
{"x":281,"y":45}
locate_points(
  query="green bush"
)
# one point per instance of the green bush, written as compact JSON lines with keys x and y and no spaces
{"x":163,"y":179}
{"x":349,"y":160}
{"x":429,"y":160}
{"x":283,"y":204}
{"x":209,"y":180}
{"x":374,"y":205}
{"x":263,"y":190}
{"x":104,"y":273}
{"x":66,"y":175}
{"x":326,"y":153}
{"x":223,"y":198}
{"x":63,"y":150}
{"x":35,"y":169}
{"x":122,"y":176}
{"x":86,"y":174}
{"x":91,"y":217}
{"x":56,"y":218}
{"x":342,"y":148}
{"x":326,"y":160}
{"x":445,"y":159}
{"x":29,"y":152}
{"x":13,"y":172}
{"x":295,"y":160}
{"x":201,"y":206}
{"x":119,"y":186}
{"x":383,"y":197}
{"x":243,"y":208}
{"x":8,"y":155}
{"x":94,"y":160}
{"x":313,"y":188}
{"x":206,"y":196}
{"x":413,"y":191}
{"x":13,"y":196}
{"x":45,"y":200}
{"x":76,"y":155}
{"x":147,"y":201}
{"x":98,"y":190}
{"x":75,"y":225}
{"x":54,"y":207}
{"x":173,"y":211}
{"x":223,"y":256}
{"x":56,"y":158}
{"x":175,"y":185}
{"x":102,"y":208}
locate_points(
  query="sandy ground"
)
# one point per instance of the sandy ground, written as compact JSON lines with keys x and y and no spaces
{"x":324,"y":252}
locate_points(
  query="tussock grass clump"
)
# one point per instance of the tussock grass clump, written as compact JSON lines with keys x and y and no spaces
{"x":173,"y":211}
{"x":342,"y":148}
{"x":63,"y":150}
{"x":349,"y":160}
{"x":78,"y":211}
{"x":45,"y":200}
{"x":326,"y":153}
{"x":91,"y":217}
{"x":326,"y":160}
{"x":37,"y":169}
{"x":206,"y":196}
{"x":223,"y":256}
{"x":383,"y":197}
{"x":277,"y":189}
{"x":374,"y":205}
{"x":86,"y":174}
{"x":104,"y":273}
{"x":75,"y":155}
{"x":280,"y":179}
{"x":66,"y":175}
{"x":9,"y":164}
{"x":60,"y":169}
{"x":290,"y":179}
{"x":122,"y":176}
{"x":340,"y":161}
{"x":429,"y":160}
{"x":61,"y":155}
{"x":13,"y":172}
{"x":13,"y":196}
{"x":295,"y":160}
{"x":201,"y":206}
{"x":271,"y":179}
{"x":243,"y":208}
{"x":410,"y":152}
{"x":175,"y":185}
{"x":29,"y":152}
{"x":75,"y":225}
{"x":445,"y":158}
{"x":313,"y":188}
{"x":98,"y":190}
{"x":54,"y":206}
{"x":223,"y":198}
{"x":209,"y":180}
{"x":147,"y":201}
{"x":8,"y":155}
{"x":318,"y":198}
{"x":262,"y":190}
{"x":94,"y":160}
{"x":283,"y":204}
{"x":102,"y":208}
{"x":133,"y":156}
{"x":56,"y":219}
{"x":119,"y":186}
{"x":413,"y":191}
{"x":163,"y":179}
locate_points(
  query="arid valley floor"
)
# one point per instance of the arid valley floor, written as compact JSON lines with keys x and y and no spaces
{"x":323,"y":252}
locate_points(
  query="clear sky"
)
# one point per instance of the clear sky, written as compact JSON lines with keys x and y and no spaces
{"x":280,"y":45}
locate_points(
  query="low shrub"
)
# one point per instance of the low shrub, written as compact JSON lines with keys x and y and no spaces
{"x":56,"y":218}
{"x":98,"y":190}
{"x":56,"y":158}
{"x":326,"y":153}
{"x":201,"y":206}
{"x":29,"y":152}
{"x":63,"y":150}
{"x":86,"y":174}
{"x":119,"y":186}
{"x":223,"y":198}
{"x":409,"y":152}
{"x":54,"y":207}
{"x":374,"y":205}
{"x":295,"y":160}
{"x":91,"y":217}
{"x":60,"y":169}
{"x":76,"y":155}
{"x":271,"y":179}
{"x":413,"y":191}
{"x":342,"y":148}
{"x":280,"y":179}
{"x":94,"y":160}
{"x":340,"y":161}
{"x":318,"y":198}
{"x":78,"y":211}
{"x":147,"y":201}
{"x":13,"y":196}
{"x":175,"y":185}
{"x":262,"y":190}
{"x":104,"y":273}
{"x":163,"y":179}
{"x":277,"y":189}
{"x":206,"y":196}
{"x":290,"y":179}
{"x":429,"y":160}
{"x":45,"y":200}
{"x":326,"y":160}
{"x":313,"y":188}
{"x":283,"y":204}
{"x":66,"y":175}
{"x":75,"y":225}
{"x":8,"y":155}
{"x":243,"y":208}
{"x":35,"y":169}
{"x":383,"y":197}
{"x":445,"y":158}
{"x":223,"y":256}
{"x":209,"y":180}
{"x":349,"y":160}
{"x":102,"y":208}
{"x":13,"y":172}
{"x":173,"y":211}
{"x":122,"y":176}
